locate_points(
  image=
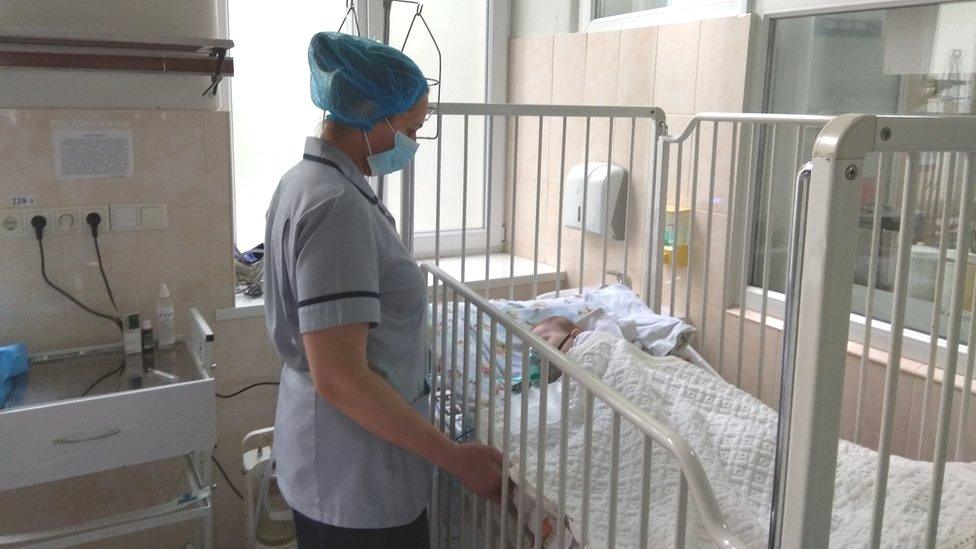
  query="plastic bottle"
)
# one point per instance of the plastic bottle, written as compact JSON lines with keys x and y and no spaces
{"x":165,"y":315}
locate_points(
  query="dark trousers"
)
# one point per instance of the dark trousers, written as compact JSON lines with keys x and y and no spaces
{"x":312,"y":534}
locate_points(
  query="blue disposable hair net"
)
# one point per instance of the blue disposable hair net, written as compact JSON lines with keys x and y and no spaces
{"x":359,"y":82}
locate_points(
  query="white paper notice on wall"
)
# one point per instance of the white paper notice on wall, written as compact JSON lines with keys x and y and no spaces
{"x":92,"y":154}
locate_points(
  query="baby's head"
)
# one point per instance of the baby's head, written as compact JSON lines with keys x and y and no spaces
{"x":558,"y":331}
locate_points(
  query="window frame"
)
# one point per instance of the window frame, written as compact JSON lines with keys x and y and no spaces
{"x":916,"y":344}
{"x":425,"y":243}
{"x":589,"y":22}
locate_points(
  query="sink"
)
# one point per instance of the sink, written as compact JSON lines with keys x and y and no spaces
{"x":140,"y":411}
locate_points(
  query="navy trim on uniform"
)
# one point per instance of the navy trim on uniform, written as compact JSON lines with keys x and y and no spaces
{"x":337,"y":296}
{"x":372,"y":198}
{"x":368,"y":195}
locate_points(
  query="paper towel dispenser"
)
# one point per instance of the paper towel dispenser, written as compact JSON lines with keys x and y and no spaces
{"x":606,"y":199}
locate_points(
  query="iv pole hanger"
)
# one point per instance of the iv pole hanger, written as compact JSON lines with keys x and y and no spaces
{"x":351,"y":10}
{"x":431,"y":82}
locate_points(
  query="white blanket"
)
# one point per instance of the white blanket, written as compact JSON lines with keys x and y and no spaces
{"x":734,"y":436}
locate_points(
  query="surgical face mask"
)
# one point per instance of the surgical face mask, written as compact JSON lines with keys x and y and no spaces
{"x":394,"y":159}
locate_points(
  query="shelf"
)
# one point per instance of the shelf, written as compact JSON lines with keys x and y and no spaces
{"x":127,"y":54}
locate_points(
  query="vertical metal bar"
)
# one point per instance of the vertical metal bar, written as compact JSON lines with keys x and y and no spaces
{"x":606,"y":205}
{"x":478,"y":374}
{"x":538,"y":215}
{"x":563,"y":457}
{"x":479,"y":436}
{"x":630,"y":184}
{"x":559,"y":227}
{"x":464,"y":201}
{"x":452,"y":428}
{"x":869,"y":303}
{"x":645,"y":498}
{"x":824,"y":309}
{"x":679,"y":175}
{"x":488,"y":161}
{"x":614,"y":481}
{"x":791,"y":319}
{"x":746,"y":246}
{"x":443,"y":362}
{"x":586,"y":193}
{"x":511,"y":229}
{"x":492,"y":340}
{"x":506,"y":432}
{"x":654,"y":277}
{"x":935,"y":322}
{"x":736,"y":146}
{"x":465,"y":496}
{"x":682,"y":518}
{"x":451,"y":383}
{"x":706,"y":273}
{"x":587,"y":465}
{"x":767,"y":251}
{"x":540,"y":452}
{"x":691,"y":225}
{"x":905,"y":237}
{"x":437,"y":206}
{"x":434,"y":375}
{"x":523,"y":453}
{"x":967,"y":391}
{"x":963,"y":242}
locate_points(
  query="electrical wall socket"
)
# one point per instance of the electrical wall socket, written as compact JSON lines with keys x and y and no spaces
{"x":11,"y":224}
{"x":68,"y":220}
{"x":48,"y":215}
{"x":103,"y":227}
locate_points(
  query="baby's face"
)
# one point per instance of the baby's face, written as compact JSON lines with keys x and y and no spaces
{"x":556,"y":335}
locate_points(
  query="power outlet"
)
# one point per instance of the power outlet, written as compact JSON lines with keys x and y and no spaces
{"x":104,"y":225}
{"x":48,"y":215}
{"x":68,"y":220}
{"x":11,"y":224}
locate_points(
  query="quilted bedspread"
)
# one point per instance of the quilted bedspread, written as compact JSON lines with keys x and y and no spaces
{"x":734,"y":436}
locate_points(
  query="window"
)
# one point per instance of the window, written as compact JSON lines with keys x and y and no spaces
{"x":459,"y":29}
{"x":600,"y":15}
{"x":910,"y":60}
{"x":272,"y":113}
{"x":271,"y":110}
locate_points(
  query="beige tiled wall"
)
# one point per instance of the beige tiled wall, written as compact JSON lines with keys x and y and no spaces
{"x":182,"y":159}
{"x":683,"y":69}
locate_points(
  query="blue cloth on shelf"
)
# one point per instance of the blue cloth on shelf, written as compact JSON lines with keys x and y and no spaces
{"x":13,"y":362}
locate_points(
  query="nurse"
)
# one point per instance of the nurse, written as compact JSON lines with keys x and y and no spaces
{"x":345,"y":304}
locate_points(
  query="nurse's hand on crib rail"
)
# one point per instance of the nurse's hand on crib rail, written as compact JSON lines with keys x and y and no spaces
{"x":478,"y":467}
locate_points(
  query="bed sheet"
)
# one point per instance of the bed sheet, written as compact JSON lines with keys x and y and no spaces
{"x":734,"y":436}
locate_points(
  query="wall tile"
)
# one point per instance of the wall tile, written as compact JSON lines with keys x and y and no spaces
{"x":638,"y":55}
{"x":602,"y":66}
{"x":676,"y":67}
{"x":530,"y":70}
{"x":568,"y":68}
{"x":722,"y":60}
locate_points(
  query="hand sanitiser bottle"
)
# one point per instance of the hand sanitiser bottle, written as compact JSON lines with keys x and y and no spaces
{"x":165,"y":317}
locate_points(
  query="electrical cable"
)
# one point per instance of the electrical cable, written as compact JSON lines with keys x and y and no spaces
{"x":115,"y":320}
{"x":118,"y":370}
{"x":248,"y":388}
{"x":101,"y":269}
{"x":94,"y":220}
{"x":226,"y":477}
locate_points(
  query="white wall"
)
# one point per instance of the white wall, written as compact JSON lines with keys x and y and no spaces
{"x":44,"y":88}
{"x":535,"y":17}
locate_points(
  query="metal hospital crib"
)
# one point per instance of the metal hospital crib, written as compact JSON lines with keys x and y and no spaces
{"x":694,"y":249}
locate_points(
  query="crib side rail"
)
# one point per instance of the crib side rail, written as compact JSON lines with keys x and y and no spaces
{"x":450,"y":296}
{"x":903,"y":143}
